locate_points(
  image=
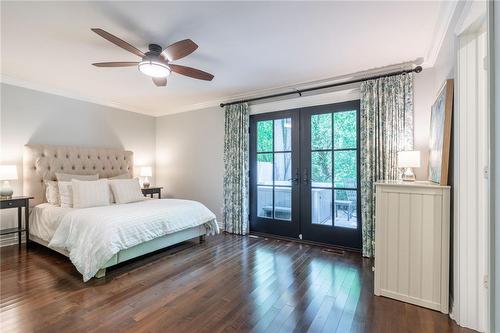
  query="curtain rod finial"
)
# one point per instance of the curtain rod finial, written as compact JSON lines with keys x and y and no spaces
{"x":418,"y":69}
{"x":221,"y":105}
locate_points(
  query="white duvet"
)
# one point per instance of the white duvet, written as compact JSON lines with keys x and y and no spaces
{"x":94,"y":235}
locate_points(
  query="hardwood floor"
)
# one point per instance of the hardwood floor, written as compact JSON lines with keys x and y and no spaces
{"x":227,"y":284}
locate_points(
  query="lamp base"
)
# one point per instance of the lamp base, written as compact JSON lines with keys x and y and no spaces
{"x":6,"y":191}
{"x":145,"y":183}
{"x":408,"y":175}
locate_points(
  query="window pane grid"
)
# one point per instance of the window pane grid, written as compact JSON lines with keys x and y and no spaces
{"x":334,"y":197}
{"x":274,"y":195}
{"x":345,"y":149}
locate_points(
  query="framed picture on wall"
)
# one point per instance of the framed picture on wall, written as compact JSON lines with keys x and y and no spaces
{"x":440,"y":134}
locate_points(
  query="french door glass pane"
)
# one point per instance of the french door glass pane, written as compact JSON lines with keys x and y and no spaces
{"x":321,"y":131}
{"x":274,"y":163}
{"x":265,"y":201}
{"x":345,"y":209}
{"x":265,"y":136}
{"x":283,"y":203}
{"x":321,"y":168}
{"x":321,"y":206}
{"x":282,"y":169}
{"x":265,"y":169}
{"x":344,"y":129}
{"x":345,"y":169}
{"x":283,"y":134}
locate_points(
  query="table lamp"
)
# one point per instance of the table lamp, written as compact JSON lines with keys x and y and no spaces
{"x":7,"y":172}
{"x":146,"y":172}
{"x":408,"y":160}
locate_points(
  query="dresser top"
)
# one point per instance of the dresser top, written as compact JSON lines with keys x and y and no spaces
{"x":416,"y":183}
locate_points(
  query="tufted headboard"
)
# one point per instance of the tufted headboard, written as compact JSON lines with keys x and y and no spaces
{"x":41,"y":162}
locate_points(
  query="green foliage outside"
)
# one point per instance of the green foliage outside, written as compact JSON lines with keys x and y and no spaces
{"x":265,"y":140}
{"x":344,"y":136}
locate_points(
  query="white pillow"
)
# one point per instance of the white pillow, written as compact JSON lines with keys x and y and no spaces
{"x":90,"y":193}
{"x":122,"y":176}
{"x":126,"y":190}
{"x":65,"y":194}
{"x":52,"y":192}
{"x":67,"y":177}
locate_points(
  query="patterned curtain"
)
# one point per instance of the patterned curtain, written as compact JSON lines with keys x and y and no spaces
{"x":236,"y":169}
{"x":386,"y":128}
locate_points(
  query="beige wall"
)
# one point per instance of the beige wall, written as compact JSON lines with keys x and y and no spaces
{"x":189,"y":156}
{"x":34,"y":117}
{"x":424,"y":95}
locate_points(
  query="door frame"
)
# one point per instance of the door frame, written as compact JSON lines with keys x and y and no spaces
{"x":294,"y":230}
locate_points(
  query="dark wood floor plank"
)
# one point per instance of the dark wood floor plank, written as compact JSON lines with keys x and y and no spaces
{"x":227,"y":284}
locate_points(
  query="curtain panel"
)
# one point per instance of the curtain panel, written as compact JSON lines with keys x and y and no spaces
{"x":386,"y":128}
{"x":236,"y":182}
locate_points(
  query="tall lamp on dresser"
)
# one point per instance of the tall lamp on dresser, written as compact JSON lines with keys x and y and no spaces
{"x":412,"y":241}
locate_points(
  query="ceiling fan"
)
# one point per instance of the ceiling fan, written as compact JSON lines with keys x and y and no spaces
{"x":156,"y":62}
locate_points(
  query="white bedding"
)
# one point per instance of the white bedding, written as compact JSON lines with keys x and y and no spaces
{"x":44,"y":220}
{"x":94,"y":235}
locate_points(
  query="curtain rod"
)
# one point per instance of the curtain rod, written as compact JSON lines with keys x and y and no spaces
{"x":417,"y":69}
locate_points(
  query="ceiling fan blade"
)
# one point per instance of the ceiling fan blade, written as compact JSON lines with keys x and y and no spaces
{"x":160,"y":81}
{"x":179,"y":50}
{"x":117,"y":41}
{"x":191,"y":72}
{"x":116,"y":64}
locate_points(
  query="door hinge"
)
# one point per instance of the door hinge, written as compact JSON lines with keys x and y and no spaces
{"x":485,"y":281}
{"x":486,"y":172}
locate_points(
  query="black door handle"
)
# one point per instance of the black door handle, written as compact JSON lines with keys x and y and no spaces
{"x":306,"y":176}
{"x":296,"y":179}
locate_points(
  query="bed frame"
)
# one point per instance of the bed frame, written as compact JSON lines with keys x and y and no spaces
{"x":41,"y":162}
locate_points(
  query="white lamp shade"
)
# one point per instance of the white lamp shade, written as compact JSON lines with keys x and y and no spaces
{"x":146,"y":171}
{"x":409,"y":159}
{"x":8,"y":172}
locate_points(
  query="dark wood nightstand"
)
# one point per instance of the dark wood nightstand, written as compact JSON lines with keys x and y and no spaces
{"x":18,"y":202}
{"x":152,"y":191}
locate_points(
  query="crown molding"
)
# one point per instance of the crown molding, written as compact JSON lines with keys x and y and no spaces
{"x":211,"y":103}
{"x":69,"y":94}
{"x":446,"y":13}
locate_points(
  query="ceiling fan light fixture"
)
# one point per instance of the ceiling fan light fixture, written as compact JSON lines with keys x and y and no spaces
{"x":154,"y":68}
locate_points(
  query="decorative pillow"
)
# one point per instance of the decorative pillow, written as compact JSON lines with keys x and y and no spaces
{"x":67,"y":177}
{"x":52,"y":192}
{"x":122,"y":176}
{"x":90,"y":193}
{"x":65,"y":194}
{"x":126,"y":190}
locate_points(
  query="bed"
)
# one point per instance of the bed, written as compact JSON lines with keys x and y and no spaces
{"x":96,"y":238}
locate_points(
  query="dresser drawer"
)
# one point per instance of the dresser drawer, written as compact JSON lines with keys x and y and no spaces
{"x":12,"y":203}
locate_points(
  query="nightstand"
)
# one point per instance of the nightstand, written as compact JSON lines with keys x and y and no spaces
{"x":152,"y":191}
{"x":18,"y":202}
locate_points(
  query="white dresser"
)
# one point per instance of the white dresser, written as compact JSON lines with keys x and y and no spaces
{"x":412,"y":243}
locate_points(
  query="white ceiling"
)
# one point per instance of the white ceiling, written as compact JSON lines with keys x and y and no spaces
{"x":248,"y":46}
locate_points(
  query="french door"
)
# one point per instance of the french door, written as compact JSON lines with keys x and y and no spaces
{"x":304,"y":174}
